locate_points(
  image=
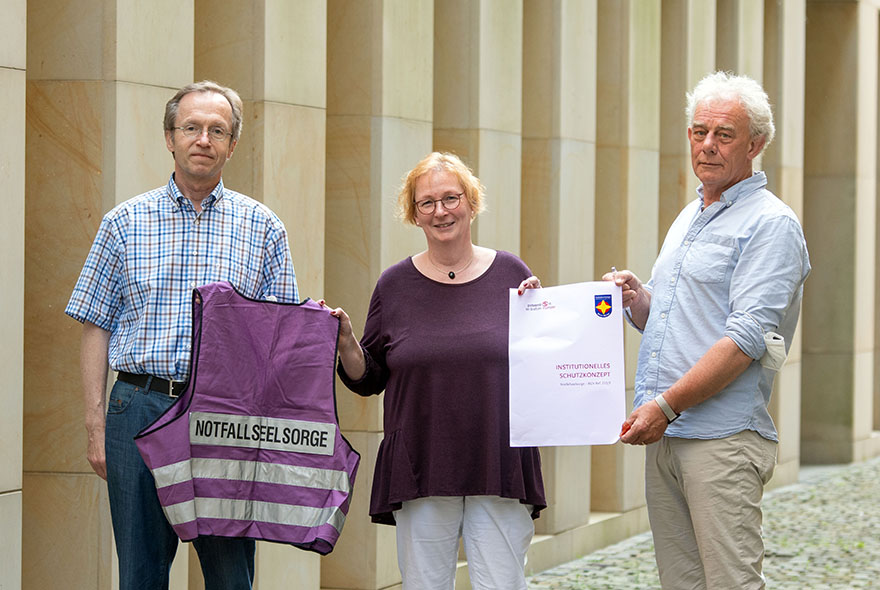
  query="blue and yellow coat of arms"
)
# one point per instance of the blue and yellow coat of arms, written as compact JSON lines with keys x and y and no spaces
{"x":603,"y":305}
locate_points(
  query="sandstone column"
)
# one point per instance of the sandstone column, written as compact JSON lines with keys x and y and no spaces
{"x":784,"y":34}
{"x":558,"y":196}
{"x":478,"y":105}
{"x":99,"y":74}
{"x":840,"y":224}
{"x":627,"y":195}
{"x":273,"y":52}
{"x":12,"y":161}
{"x":379,"y":110}
{"x":688,"y":54}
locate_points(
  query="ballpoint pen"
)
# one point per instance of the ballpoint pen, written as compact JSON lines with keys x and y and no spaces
{"x":626,"y":310}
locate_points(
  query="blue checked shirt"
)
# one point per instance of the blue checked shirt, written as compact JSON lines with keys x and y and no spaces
{"x":735,"y":269}
{"x":152,"y":250}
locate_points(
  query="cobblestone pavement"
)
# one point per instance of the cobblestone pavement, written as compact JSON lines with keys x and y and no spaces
{"x":820,"y":533}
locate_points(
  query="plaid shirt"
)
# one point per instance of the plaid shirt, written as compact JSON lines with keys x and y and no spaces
{"x":152,"y":250}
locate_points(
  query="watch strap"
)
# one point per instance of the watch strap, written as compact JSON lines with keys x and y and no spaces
{"x":671,"y":415}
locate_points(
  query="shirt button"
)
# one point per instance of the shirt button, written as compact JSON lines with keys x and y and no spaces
{"x":662,"y":316}
{"x":687,"y":242}
{"x":650,"y":392}
{"x":192,"y":284}
{"x":653,"y":355}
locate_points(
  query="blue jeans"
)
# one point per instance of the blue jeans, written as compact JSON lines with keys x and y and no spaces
{"x":145,"y":542}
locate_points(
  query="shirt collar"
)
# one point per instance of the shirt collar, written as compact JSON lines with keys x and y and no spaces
{"x":178,"y":200}
{"x":740,"y":189}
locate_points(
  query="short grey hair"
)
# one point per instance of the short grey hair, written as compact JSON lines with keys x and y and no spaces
{"x":728,"y":86}
{"x":172,"y":106}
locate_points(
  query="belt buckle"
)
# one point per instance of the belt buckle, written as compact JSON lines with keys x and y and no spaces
{"x":171,"y":384}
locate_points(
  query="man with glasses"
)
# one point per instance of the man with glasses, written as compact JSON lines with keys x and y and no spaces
{"x":134,"y":300}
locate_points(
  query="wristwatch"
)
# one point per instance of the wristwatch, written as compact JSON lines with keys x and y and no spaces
{"x":671,"y":415}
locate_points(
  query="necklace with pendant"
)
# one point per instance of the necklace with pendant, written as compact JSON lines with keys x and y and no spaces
{"x":451,"y":274}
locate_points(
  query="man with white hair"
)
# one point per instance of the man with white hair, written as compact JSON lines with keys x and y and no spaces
{"x":717,"y":318}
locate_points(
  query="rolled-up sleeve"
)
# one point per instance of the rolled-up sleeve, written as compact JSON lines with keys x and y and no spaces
{"x":768,"y":275}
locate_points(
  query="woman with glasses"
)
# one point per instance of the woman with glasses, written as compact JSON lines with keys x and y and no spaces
{"x":435,"y":341}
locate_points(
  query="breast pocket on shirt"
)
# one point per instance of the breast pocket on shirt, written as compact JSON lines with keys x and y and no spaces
{"x":242,"y":278}
{"x":708,"y":262}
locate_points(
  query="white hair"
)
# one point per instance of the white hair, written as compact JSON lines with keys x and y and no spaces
{"x":728,"y":86}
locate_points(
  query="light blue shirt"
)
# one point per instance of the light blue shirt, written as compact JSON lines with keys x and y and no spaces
{"x":735,"y":269}
{"x":153,"y":250}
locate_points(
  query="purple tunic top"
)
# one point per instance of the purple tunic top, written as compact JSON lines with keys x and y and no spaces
{"x":440,"y":353}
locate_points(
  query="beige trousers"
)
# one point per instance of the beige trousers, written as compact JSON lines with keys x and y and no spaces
{"x":704,"y":505}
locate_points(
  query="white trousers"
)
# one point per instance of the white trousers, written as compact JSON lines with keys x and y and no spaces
{"x":496,"y":533}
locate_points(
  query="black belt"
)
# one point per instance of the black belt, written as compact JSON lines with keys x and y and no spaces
{"x":169,"y":388}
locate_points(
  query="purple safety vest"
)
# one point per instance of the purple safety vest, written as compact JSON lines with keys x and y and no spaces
{"x":252,"y":447}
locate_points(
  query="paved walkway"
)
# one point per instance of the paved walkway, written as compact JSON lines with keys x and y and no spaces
{"x":820,"y":533}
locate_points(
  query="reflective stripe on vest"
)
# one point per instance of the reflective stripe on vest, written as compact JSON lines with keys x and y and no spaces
{"x":252,"y":447}
{"x":202,"y":468}
{"x":220,"y":508}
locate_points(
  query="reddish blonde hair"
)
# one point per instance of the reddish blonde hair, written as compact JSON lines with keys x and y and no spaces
{"x":473,"y":188}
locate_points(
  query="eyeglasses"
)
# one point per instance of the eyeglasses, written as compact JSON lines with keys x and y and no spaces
{"x":215,"y":133}
{"x":449,"y":202}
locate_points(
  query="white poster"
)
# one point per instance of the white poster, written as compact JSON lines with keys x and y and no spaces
{"x":567,"y":381}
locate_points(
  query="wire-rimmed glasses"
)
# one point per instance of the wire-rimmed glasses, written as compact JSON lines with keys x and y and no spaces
{"x":449,"y":202}
{"x":215,"y":133}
